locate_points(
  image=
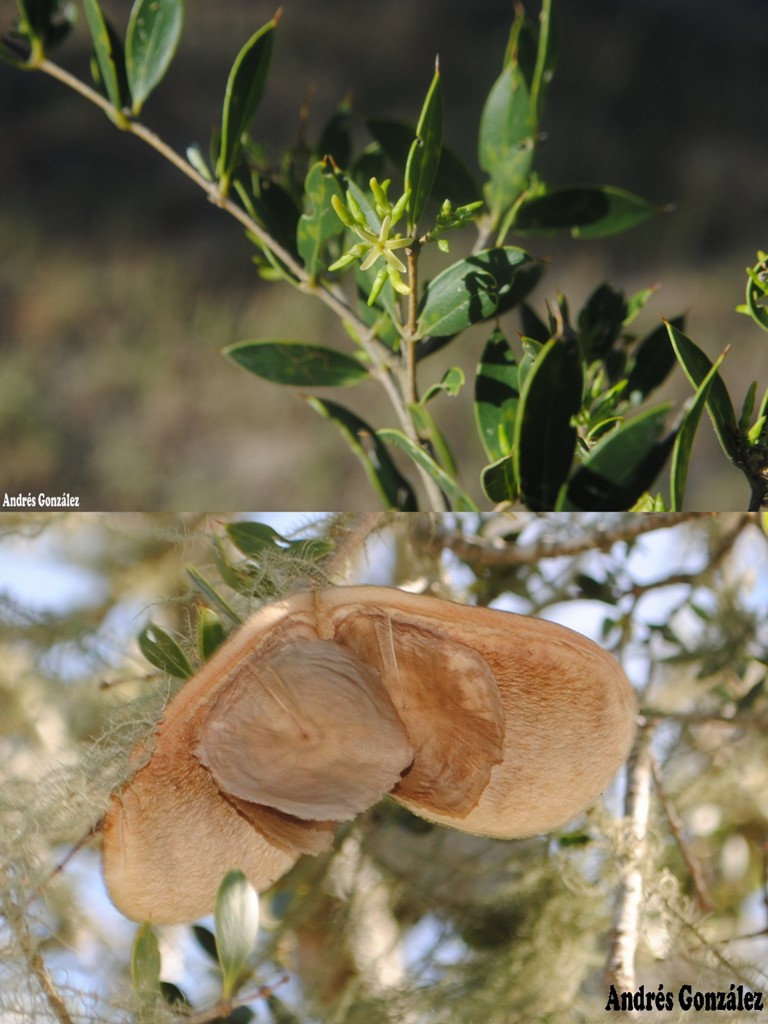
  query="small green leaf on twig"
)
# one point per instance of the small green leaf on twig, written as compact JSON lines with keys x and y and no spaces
{"x":681,"y":452}
{"x":589,"y":211}
{"x":424,"y":155}
{"x":153,"y":34}
{"x":452,"y":490}
{"x":210,"y":632}
{"x":549,"y":398}
{"x":109,"y":56}
{"x":387,"y":480}
{"x":245,"y":87}
{"x":297,"y":363}
{"x":696,"y":365}
{"x":162,"y":651}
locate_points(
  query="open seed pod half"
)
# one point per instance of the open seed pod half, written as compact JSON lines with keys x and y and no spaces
{"x":490,"y":722}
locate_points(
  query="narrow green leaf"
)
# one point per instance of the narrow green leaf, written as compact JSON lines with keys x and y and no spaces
{"x":696,"y":365}
{"x":429,"y":431}
{"x":245,"y":87}
{"x":212,"y":594}
{"x":681,"y":453}
{"x":497,"y":394}
{"x":507,"y":136}
{"x":162,"y":651}
{"x":388,"y":482}
{"x":319,"y":222}
{"x":589,"y":211}
{"x":424,"y":156}
{"x":544,"y":441}
{"x":210,"y":633}
{"x":748,"y":406}
{"x":154,"y":30}
{"x":460,"y":500}
{"x":546,"y":57}
{"x":637,"y":302}
{"x":110,"y":60}
{"x":499,"y":480}
{"x":622,"y":465}
{"x":452,"y":180}
{"x":653,"y":360}
{"x":145,"y":963}
{"x":470,"y":290}
{"x":297,"y":363}
{"x":236,"y":919}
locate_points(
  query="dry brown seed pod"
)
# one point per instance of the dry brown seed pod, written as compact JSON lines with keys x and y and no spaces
{"x":490,"y":722}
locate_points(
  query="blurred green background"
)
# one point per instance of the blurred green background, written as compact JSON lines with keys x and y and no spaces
{"x":119,"y":282}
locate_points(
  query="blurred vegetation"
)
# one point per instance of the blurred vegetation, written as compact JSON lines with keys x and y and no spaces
{"x":112,"y":386}
{"x":403,"y":921}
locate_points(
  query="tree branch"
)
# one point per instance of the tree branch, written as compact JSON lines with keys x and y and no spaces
{"x":676,"y":826}
{"x":30,"y":950}
{"x":480,"y":551}
{"x":624,"y":937}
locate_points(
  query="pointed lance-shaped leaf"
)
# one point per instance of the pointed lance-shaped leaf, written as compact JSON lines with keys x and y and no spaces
{"x":681,"y":453}
{"x":696,"y":365}
{"x":424,"y":156}
{"x":587,"y":211}
{"x":245,"y":87}
{"x":109,"y":58}
{"x":545,"y":441}
{"x":507,"y":132}
{"x":387,"y":480}
{"x":297,"y":363}
{"x":459,"y":499}
{"x":452,"y":180}
{"x":154,"y":29}
{"x":162,"y":651}
{"x":432,"y":436}
{"x":546,"y":57}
